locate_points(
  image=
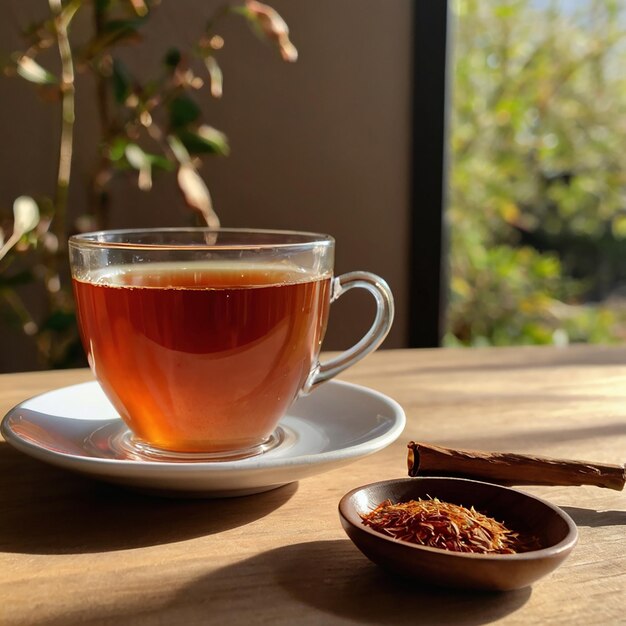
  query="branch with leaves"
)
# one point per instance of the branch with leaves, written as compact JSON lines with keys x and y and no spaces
{"x":147,"y":125}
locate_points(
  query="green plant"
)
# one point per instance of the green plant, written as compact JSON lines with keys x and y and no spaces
{"x":147,"y":125}
{"x":537,"y":206}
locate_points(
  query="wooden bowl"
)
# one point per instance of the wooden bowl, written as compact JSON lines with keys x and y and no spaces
{"x":555,"y":530}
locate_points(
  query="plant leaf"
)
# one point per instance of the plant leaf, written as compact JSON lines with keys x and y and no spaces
{"x":140,"y":161}
{"x":117,"y":148}
{"x":122,"y":81}
{"x":197,"y":194}
{"x":179,"y":150}
{"x":30,"y":70}
{"x":25,"y":218}
{"x":268,"y":23}
{"x":193,"y":187}
{"x":172,"y":58}
{"x":206,"y":140}
{"x":144,"y":182}
{"x":160,"y":162}
{"x":135,"y":156}
{"x":141,"y":8}
{"x":183,"y":111}
{"x":618,"y":227}
{"x":26,"y":215}
{"x":215,"y":74}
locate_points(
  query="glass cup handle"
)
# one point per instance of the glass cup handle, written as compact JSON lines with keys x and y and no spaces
{"x":374,"y":336}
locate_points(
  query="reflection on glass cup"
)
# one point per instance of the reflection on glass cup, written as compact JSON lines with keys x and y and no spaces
{"x":203,"y":339}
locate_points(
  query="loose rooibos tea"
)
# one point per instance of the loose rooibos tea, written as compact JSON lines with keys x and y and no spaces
{"x":447,"y":526}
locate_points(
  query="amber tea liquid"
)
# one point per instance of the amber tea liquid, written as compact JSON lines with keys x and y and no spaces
{"x":198,"y":358}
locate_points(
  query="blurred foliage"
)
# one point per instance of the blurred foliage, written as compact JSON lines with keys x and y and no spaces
{"x":148,"y":125}
{"x":538,"y":175}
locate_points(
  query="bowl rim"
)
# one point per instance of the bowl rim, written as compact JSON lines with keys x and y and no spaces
{"x":565,"y":545}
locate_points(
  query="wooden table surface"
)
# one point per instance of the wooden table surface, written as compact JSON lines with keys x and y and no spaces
{"x":76,"y":551}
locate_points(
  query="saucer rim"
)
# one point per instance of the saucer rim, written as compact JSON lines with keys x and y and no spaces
{"x":397,"y":423}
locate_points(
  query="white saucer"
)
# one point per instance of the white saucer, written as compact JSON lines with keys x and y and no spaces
{"x":73,"y":427}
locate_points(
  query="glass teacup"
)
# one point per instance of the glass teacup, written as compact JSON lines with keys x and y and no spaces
{"x":203,"y":339}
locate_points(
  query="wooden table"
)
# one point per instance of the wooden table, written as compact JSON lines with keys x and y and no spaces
{"x":76,"y":551}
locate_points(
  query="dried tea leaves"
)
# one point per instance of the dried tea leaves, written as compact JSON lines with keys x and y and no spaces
{"x":446,"y":526}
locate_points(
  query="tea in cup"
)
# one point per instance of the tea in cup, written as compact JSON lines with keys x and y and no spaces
{"x":203,"y":339}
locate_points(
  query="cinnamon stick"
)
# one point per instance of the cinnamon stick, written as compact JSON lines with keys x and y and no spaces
{"x":509,"y":468}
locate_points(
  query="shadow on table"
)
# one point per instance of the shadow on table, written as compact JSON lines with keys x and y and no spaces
{"x":46,"y":510}
{"x":336,"y":580}
{"x":595,"y":519}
